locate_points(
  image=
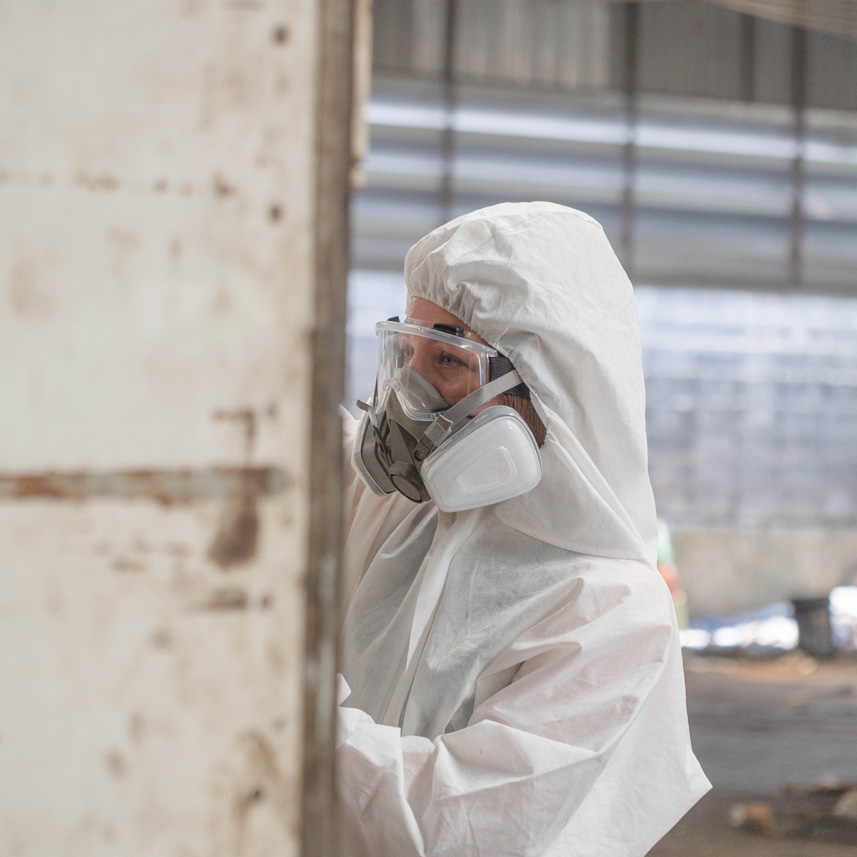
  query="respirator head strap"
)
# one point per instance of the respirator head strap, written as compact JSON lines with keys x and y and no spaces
{"x":499,"y":366}
{"x":450,"y":420}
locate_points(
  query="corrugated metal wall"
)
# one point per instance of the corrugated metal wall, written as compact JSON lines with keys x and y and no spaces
{"x":716,"y":148}
{"x":695,"y":49}
{"x":719,"y":151}
{"x":540,"y":43}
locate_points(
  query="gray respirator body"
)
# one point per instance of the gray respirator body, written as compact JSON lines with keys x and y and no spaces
{"x":412,"y":440}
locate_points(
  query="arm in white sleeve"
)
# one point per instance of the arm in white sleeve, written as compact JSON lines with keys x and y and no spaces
{"x":349,"y":434}
{"x":508,"y":783}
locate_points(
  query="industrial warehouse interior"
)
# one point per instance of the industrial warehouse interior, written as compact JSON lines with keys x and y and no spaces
{"x":716,"y":143}
{"x":205,"y":209}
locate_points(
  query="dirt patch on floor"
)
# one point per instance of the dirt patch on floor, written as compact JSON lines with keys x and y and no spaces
{"x":767,"y":731}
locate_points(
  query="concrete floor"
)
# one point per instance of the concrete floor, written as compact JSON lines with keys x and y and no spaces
{"x":758,"y":727}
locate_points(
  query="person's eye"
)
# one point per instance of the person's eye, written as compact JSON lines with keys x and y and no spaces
{"x":407,"y":353}
{"x":450,"y":361}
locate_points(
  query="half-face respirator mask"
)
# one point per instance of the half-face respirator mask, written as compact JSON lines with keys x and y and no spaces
{"x":417,"y":436}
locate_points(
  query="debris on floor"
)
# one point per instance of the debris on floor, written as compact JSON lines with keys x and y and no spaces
{"x":775,"y":628}
{"x":758,"y":721}
{"x":825,"y":813}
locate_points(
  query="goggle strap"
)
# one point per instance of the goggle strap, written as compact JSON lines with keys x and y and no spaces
{"x":449,"y":420}
{"x":499,"y":366}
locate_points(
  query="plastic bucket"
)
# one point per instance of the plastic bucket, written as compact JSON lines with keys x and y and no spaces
{"x":815,"y":633}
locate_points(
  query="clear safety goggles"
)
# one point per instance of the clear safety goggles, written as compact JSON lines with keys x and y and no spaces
{"x":415,"y":352}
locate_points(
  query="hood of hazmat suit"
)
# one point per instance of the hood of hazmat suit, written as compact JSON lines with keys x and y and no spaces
{"x":512,"y":675}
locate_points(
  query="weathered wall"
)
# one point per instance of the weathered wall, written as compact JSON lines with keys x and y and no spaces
{"x":156,"y":271}
{"x":728,"y":571}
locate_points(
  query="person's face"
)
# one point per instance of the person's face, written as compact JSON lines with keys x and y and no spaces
{"x":452,"y":372}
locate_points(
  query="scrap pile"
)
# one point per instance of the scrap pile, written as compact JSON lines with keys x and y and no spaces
{"x":825,"y":813}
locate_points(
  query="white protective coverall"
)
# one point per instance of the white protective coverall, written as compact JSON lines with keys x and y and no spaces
{"x":515,"y":675}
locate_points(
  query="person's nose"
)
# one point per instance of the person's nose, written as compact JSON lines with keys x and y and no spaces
{"x":420,"y":361}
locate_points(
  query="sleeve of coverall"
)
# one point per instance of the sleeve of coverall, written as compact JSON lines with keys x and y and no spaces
{"x":349,"y":435}
{"x":508,"y":783}
{"x":352,"y":486}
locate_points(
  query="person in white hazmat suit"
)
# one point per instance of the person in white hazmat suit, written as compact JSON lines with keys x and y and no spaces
{"x":512,"y":679}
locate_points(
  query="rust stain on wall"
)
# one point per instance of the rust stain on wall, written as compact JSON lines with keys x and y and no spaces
{"x":163,"y":638}
{"x":127,"y":565}
{"x":237,"y":534}
{"x":249,"y":793}
{"x":163,"y":486}
{"x":141,"y":545}
{"x":280,"y":34}
{"x":222,"y":187}
{"x":137,"y":727}
{"x":229,"y":598}
{"x":103,"y":181}
{"x":116,"y":763}
{"x":24,"y":290}
{"x":177,"y":549}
